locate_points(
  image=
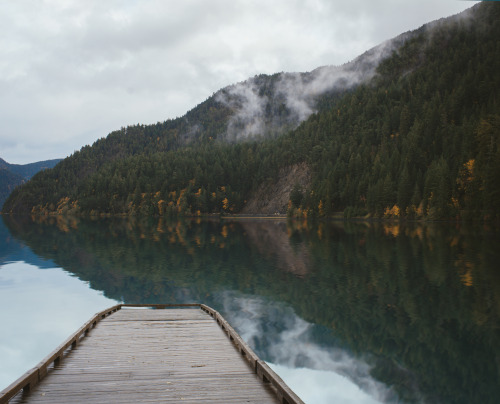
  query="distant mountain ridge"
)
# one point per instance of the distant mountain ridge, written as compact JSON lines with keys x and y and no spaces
{"x":27,"y":171}
{"x":12,"y":175}
{"x":411,"y":129}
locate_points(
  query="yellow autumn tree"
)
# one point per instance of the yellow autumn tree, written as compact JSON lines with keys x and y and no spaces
{"x":392,"y":212}
{"x":466,"y":183}
{"x":321,"y":208}
{"x":225,"y":204}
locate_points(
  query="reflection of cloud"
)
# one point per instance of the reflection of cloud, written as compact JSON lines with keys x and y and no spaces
{"x":322,"y":387}
{"x":6,"y":283}
{"x":279,"y":336}
{"x":63,"y":303}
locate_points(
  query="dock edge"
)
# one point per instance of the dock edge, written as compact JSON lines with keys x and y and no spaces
{"x":32,"y":377}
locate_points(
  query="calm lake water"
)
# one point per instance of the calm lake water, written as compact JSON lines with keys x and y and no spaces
{"x":343,"y":312}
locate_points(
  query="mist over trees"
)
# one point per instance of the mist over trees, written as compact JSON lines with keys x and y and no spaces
{"x":420,"y":138}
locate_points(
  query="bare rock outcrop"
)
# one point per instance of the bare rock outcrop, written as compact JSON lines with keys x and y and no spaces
{"x":272,"y":197}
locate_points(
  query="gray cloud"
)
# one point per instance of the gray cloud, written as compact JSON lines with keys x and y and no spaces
{"x":298,"y":92}
{"x":249,"y":107}
{"x":70,"y":72}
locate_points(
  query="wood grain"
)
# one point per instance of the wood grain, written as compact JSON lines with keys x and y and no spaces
{"x":161,"y":355}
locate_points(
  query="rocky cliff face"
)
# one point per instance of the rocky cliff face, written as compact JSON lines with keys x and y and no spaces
{"x":272,"y":197}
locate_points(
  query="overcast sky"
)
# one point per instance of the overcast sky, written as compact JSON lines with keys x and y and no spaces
{"x":73,"y":71}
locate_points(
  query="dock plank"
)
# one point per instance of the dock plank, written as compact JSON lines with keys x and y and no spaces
{"x":160,"y":355}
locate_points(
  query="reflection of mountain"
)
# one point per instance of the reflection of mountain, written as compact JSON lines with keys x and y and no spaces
{"x":7,"y":243}
{"x":150,"y":262}
{"x":272,"y":241}
{"x":421,"y":303}
{"x":12,"y":250}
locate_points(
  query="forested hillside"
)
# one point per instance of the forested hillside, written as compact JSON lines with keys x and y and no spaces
{"x":417,"y":137}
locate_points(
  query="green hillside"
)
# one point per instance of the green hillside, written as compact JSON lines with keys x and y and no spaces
{"x":419,"y":139}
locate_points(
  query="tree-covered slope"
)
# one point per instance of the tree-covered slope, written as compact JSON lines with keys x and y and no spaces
{"x":424,"y":138}
{"x":420,"y":138}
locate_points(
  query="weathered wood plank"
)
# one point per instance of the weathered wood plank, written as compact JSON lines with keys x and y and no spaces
{"x":160,"y":355}
{"x":130,"y":314}
{"x":138,"y":355}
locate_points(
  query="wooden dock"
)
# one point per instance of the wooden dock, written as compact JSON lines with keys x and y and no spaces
{"x":136,"y":354}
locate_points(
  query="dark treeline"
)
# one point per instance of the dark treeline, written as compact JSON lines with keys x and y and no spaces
{"x":420,"y":140}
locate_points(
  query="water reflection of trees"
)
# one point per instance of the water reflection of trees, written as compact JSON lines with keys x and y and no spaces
{"x":401,"y":292}
{"x":423,"y":301}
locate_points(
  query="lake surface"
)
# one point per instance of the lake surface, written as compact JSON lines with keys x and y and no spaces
{"x":343,"y":312}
